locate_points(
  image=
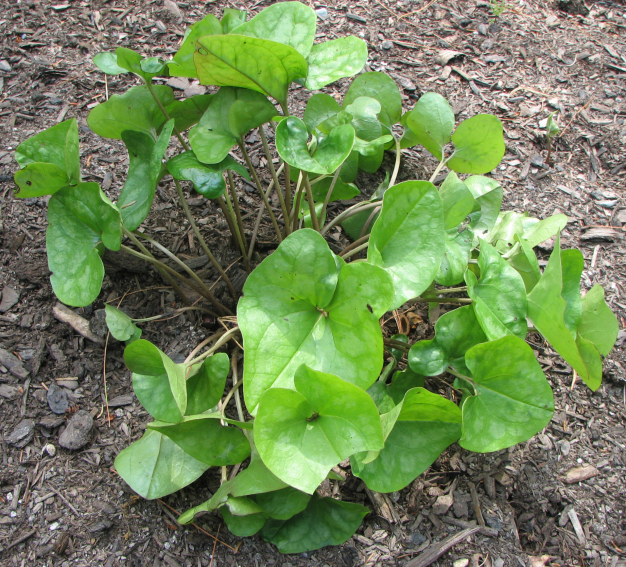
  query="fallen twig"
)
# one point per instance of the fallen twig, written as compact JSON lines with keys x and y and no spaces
{"x":436,"y":550}
{"x":78,"y":323}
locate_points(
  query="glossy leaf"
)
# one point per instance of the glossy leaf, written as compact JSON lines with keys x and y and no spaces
{"x":598,"y":323}
{"x":107,"y":63}
{"x":432,"y":121}
{"x":455,"y":333}
{"x":341,"y":190}
{"x":158,"y":382}
{"x":302,"y":435}
{"x":134,"y":110}
{"x":407,"y":240}
{"x":120,"y":325}
{"x":187,"y":112}
{"x":301,"y":307}
{"x":458,"y":201}
{"x":243,"y":525}
{"x":80,"y":220}
{"x":402,"y":382}
{"x":544,"y":229}
{"x":478,"y":145}
{"x":131,"y":61}
{"x":382,"y":88}
{"x":526,"y":264}
{"x":204,"y":438}
{"x":333,"y":60}
{"x":257,"y":64}
{"x":145,"y":157}
{"x":155,"y":466}
{"x":206,"y":387}
{"x":506,"y":230}
{"x":488,"y":194}
{"x":426,"y":425}
{"x":513,"y":399}
{"x":283,"y":504}
{"x":233,"y":18}
{"x":499,"y":297}
{"x":319,"y":108}
{"x":455,"y":258}
{"x":38,"y":179}
{"x":185,"y":67}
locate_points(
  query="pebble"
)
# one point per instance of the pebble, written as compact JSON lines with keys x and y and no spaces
{"x":57,"y":399}
{"x":50,"y":449}
{"x":461,"y":562}
{"x":13,"y":364}
{"x":387,"y":44}
{"x":78,"y":430}
{"x":442,"y":504}
{"x":407,"y":84}
{"x":483,"y":29}
{"x":22,"y":434}
{"x":4,"y":65}
{"x":322,"y":13}
{"x":9,"y":298}
{"x":69,"y":384}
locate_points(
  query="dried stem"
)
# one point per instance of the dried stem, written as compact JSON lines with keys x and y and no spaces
{"x":270,"y":164}
{"x":242,"y":241}
{"x":223,"y":339}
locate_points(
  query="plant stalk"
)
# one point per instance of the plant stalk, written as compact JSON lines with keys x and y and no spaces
{"x":397,"y":344}
{"x":223,"y":339}
{"x":241,"y":236}
{"x":353,"y":210}
{"x":355,"y":250}
{"x":461,"y":376}
{"x":396,"y":166}
{"x":369,"y":220}
{"x":441,"y":165}
{"x":257,"y":181}
{"x":270,"y":164}
{"x":309,"y":196}
{"x":167,"y":116}
{"x":355,"y":244}
{"x":203,"y":344}
{"x":227,"y":215}
{"x":329,"y":193}
{"x":464,"y":300}
{"x":549,"y":138}
{"x":298,"y":197}
{"x":201,"y":240}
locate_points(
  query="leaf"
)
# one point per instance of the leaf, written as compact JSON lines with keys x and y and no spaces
{"x":155,"y":466}
{"x":402,"y":382}
{"x":545,"y":229}
{"x":289,"y":23}
{"x":158,"y":382}
{"x":301,"y":307}
{"x":107,"y":63}
{"x":291,"y":144}
{"x":455,"y":258}
{"x":152,"y":66}
{"x":204,"y":438}
{"x":257,"y":64}
{"x":185,"y":67}
{"x":39,"y":179}
{"x":243,"y":525}
{"x":146,"y":68}
{"x":455,"y":333}
{"x":548,"y":310}
{"x":407,"y":240}
{"x":526,"y":264}
{"x":302,"y":434}
{"x":325,"y":521}
{"x":479,"y":145}
{"x":513,"y":399}
{"x":144,"y":169}
{"x":432,"y":121}
{"x":120,"y":325}
{"x":458,"y":201}
{"x":80,"y":220}
{"x":188,"y":112}
{"x":233,"y":18}
{"x":335,"y":59}
{"x":488,"y":194}
{"x":341,"y":190}
{"x":134,"y":110}
{"x":319,"y":108}
{"x":426,"y":425}
{"x":283,"y":504}
{"x":598,"y":323}
{"x":353,"y":226}
{"x":382,"y":88}
{"x":551,"y":127}
{"x":499,"y":297}
{"x":205,"y":388}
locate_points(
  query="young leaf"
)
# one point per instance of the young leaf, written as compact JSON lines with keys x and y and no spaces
{"x":499,"y":297}
{"x":186,"y":113}
{"x":38,"y":179}
{"x":458,"y":201}
{"x":283,"y":504}
{"x":455,"y":333}
{"x":381,"y":87}
{"x":325,"y":521}
{"x":513,"y":399}
{"x":107,"y":63}
{"x":300,"y":307}
{"x":431,"y":121}
{"x":206,"y":387}
{"x":478,"y":145}
{"x":184,"y":66}
{"x":257,"y":64}
{"x":204,"y":438}
{"x":544,"y":229}
{"x":144,"y":169}
{"x":232,"y":19}
{"x":80,"y":219}
{"x":155,"y":466}
{"x":134,"y":110}
{"x":301,"y":435}
{"x":488,"y":194}
{"x":341,"y":191}
{"x":334,"y":60}
{"x":407,"y":240}
{"x":158,"y":382}
{"x":526,"y":264}
{"x":598,"y":323}
{"x":551,"y":127}
{"x":455,"y":258}
{"x":319,"y":108}
{"x":240,"y":524}
{"x":121,"y":325}
{"x":289,"y":23}
{"x":426,"y":425}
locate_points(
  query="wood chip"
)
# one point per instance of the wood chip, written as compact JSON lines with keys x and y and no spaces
{"x":443,"y":57}
{"x":436,"y":550}
{"x":578,"y":474}
{"x":580,"y":534}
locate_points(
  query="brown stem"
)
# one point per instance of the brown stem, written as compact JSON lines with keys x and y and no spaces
{"x":270,"y":164}
{"x":240,"y":233}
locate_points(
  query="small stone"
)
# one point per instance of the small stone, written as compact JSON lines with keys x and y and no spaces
{"x":387,"y":45}
{"x":565,"y":447}
{"x":119,"y":401}
{"x":78,"y":430}
{"x":4,"y":66}
{"x":51,"y":422}
{"x":322,"y":13}
{"x":69,"y":384}
{"x":442,"y":504}
{"x":407,"y":84}
{"x":578,"y":474}
{"x":483,"y":29}
{"x":100,"y":525}
{"x":98,"y":324}
{"x":461,"y":563}
{"x":417,"y":539}
{"x":493,"y":522}
{"x":13,"y":364}
{"x":50,"y":449}
{"x":57,"y":399}
{"x":9,"y":298}
{"x":60,"y":7}
{"x":22,"y":434}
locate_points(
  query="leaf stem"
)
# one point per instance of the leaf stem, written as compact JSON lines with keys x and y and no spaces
{"x":353,"y":210}
{"x":391,"y":366}
{"x":329,"y":193}
{"x":228,"y":216}
{"x":309,"y":197}
{"x":177,"y":312}
{"x":298,"y":199}
{"x":201,"y":240}
{"x":243,"y":244}
{"x":396,"y":167}
{"x":464,"y":300}
{"x":441,"y":165}
{"x":397,"y":344}
{"x":355,"y":244}
{"x":355,"y":250}
{"x":461,"y":376}
{"x":257,"y":181}
{"x":369,"y":220}
{"x":451,"y":290}
{"x":167,"y":116}
{"x":223,"y":339}
{"x":270,"y":164}
{"x":234,"y":363}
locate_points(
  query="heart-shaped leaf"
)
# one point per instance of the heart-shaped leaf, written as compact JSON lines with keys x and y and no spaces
{"x":334,"y":60}
{"x":185,"y":67}
{"x":598,"y":323}
{"x":458,"y":201}
{"x":80,"y":220}
{"x":206,"y":387}
{"x":300,"y":306}
{"x":155,"y":466}
{"x":303,"y":434}
{"x":478,"y":145}
{"x":145,"y":158}
{"x":381,"y":87}
{"x":432,"y":121}
{"x":341,"y":190}
{"x":425,"y":426}
{"x":526,"y":264}
{"x":407,"y":240}
{"x":325,"y":521}
{"x":319,"y":108}
{"x":120,"y":325}
{"x":499,"y":297}
{"x":512,"y":400}
{"x":455,"y":258}
{"x":188,"y":112}
{"x":243,"y":516}
{"x":283,"y":504}
{"x":158,"y":382}
{"x":107,"y":63}
{"x":455,"y":333}
{"x":257,"y":64}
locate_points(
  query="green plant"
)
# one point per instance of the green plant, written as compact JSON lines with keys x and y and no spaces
{"x":317,"y":385}
{"x":498,"y":7}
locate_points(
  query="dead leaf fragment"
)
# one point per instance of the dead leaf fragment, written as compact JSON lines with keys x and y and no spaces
{"x":447,"y":55}
{"x":578,"y":474}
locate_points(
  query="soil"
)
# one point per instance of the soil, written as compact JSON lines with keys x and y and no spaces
{"x":558,"y":499}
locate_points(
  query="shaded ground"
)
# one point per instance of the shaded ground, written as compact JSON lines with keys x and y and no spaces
{"x":69,"y":507}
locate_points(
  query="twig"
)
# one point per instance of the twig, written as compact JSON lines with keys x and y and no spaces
{"x":574,"y":117}
{"x":104,"y":378}
{"x":436,"y":550}
{"x":78,"y":323}
{"x":476,"y":503}
{"x":64,"y":500}
{"x":20,"y":539}
{"x":215,"y":544}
